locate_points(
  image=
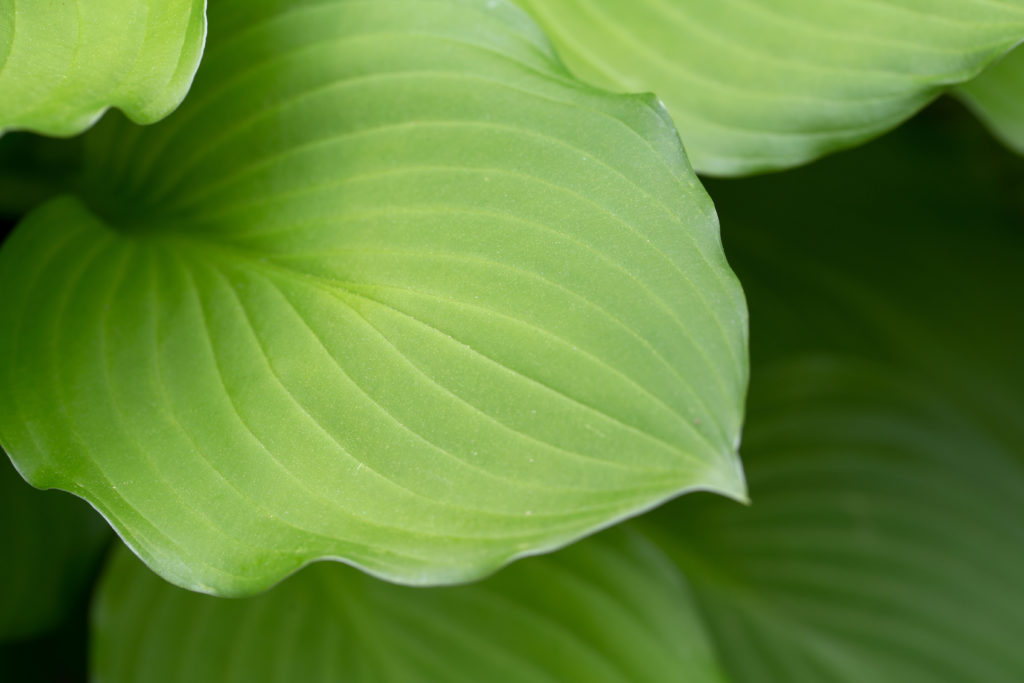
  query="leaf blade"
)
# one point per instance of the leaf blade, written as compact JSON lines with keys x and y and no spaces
{"x":608,"y":609}
{"x":63,"y":65}
{"x":756,"y":87}
{"x":425,"y":310}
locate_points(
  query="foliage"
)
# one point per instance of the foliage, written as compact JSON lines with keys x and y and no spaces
{"x":757,"y":86}
{"x":395,"y":287}
{"x":62,"y":65}
{"x":425,"y":360}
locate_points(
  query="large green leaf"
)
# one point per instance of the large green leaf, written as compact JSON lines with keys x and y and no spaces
{"x":611,"y":609}
{"x":62,"y":64}
{"x":756,"y":86}
{"x":997,"y":97}
{"x":390,"y":287}
{"x":51,"y":543}
{"x":884,"y":445}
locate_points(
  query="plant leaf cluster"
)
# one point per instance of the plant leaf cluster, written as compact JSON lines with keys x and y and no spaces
{"x":396,"y":286}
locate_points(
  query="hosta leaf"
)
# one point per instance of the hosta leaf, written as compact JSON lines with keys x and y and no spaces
{"x":756,"y":86}
{"x":997,"y":97}
{"x":607,"y":610}
{"x":51,"y":543}
{"x":884,"y":542}
{"x":884,"y":445}
{"x":62,"y":64}
{"x":390,"y":287}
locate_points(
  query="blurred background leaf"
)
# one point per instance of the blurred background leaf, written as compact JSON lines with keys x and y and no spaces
{"x":884,"y":445}
{"x":51,"y":543}
{"x":611,"y":609}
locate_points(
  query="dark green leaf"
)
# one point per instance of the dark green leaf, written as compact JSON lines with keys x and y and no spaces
{"x":610,"y":609}
{"x":51,"y":544}
{"x":883,"y":544}
{"x":884,"y":445}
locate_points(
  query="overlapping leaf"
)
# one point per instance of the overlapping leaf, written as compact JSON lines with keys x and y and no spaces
{"x":884,"y":543}
{"x":62,"y":64}
{"x":390,"y":287}
{"x":884,"y":446}
{"x":997,"y":97}
{"x":756,"y":86}
{"x":51,"y":543}
{"x":608,"y":610}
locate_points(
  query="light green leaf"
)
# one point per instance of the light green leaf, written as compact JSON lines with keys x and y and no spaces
{"x":884,"y":445}
{"x":610,"y":609}
{"x":51,"y":543}
{"x":759,"y":86}
{"x":62,"y":64}
{"x":391,"y":288}
{"x":997,"y":97}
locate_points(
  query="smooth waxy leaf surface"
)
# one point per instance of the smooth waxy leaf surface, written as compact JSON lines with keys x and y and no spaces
{"x":884,"y":446}
{"x":51,"y":542}
{"x":997,"y":97}
{"x":62,"y":64}
{"x":390,"y":287}
{"x":611,"y":609}
{"x":758,"y":86}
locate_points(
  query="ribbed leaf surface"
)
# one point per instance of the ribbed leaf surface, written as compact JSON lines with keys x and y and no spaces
{"x":62,"y":64}
{"x":758,"y":86}
{"x":608,"y":610}
{"x":884,"y":542}
{"x":390,"y":287}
